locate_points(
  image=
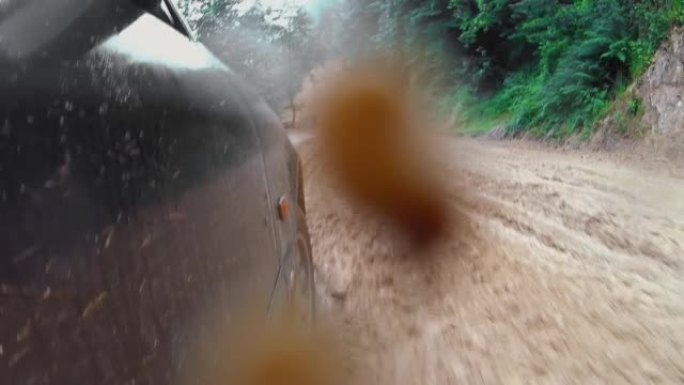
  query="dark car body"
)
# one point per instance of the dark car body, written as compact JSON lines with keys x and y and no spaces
{"x":139,"y":181}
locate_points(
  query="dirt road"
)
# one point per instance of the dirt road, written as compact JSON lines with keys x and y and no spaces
{"x":566,"y":271}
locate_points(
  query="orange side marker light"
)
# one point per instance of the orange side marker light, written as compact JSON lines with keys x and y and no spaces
{"x":283,"y":208}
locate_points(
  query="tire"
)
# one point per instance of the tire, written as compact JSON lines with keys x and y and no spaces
{"x":304,"y":289}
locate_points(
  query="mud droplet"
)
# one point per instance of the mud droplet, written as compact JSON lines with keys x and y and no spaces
{"x":6,"y":128}
{"x":94,"y":305}
{"x":46,"y":293}
{"x":25,"y":332}
{"x":177,"y":216}
{"x":146,"y":242}
{"x":18,"y":356}
{"x":110,"y":234}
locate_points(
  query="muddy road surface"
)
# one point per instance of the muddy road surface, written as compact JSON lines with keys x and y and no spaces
{"x":565,"y":270}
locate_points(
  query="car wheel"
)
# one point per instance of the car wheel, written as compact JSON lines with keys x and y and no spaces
{"x":302,"y":289}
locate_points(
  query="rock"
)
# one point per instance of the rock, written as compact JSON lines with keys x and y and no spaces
{"x":661,"y":88}
{"x":648,"y":120}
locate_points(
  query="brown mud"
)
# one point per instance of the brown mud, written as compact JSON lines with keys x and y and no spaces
{"x":564,"y":270}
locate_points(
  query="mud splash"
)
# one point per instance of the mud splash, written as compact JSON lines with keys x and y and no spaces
{"x":371,"y":138}
{"x":280,"y":350}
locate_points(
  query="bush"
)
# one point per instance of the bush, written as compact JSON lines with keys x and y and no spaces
{"x":551,"y":67}
{"x":583,"y":54}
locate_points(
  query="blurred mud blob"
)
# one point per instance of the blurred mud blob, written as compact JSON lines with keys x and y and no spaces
{"x":373,"y":138}
{"x":280,"y":350}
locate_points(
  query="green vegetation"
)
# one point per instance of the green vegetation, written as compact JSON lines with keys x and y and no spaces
{"x":550,"y":67}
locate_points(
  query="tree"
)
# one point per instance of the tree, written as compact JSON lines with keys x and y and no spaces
{"x":300,"y":53}
{"x":548,"y":65}
{"x":272,"y":48}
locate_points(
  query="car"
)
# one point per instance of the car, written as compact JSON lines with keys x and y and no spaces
{"x":146,"y":193}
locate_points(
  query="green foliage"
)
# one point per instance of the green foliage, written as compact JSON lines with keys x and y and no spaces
{"x":623,"y":116}
{"x":635,"y":106}
{"x":423,"y":31}
{"x":581,"y":61}
{"x":551,"y":67}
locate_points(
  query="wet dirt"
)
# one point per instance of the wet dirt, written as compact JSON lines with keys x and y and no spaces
{"x":564,"y":270}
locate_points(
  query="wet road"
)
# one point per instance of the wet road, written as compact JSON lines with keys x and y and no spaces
{"x":564,"y":270}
